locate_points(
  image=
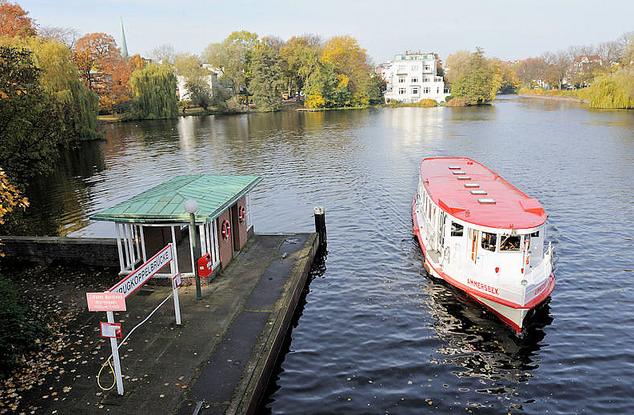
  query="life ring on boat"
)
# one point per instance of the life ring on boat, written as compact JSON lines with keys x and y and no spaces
{"x":242,"y":214}
{"x":225,"y":230}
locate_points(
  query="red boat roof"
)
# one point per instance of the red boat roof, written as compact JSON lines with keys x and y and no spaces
{"x":472,"y":192}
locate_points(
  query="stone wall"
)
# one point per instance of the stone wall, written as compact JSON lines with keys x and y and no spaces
{"x":88,"y":251}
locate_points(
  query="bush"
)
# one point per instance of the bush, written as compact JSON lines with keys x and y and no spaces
{"x":18,"y":332}
{"x":427,"y":103}
{"x":456,"y":102}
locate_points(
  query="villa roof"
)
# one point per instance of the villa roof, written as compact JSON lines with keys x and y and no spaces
{"x":164,"y":203}
{"x":472,"y":192}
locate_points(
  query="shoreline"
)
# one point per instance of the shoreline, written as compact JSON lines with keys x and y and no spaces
{"x":554,"y":98}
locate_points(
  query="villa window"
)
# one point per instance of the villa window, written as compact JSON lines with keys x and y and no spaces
{"x":414,"y":67}
{"x":401,"y":79}
{"x":426,"y":90}
{"x":488,"y":241}
{"x":438,"y":90}
{"x":402,"y":91}
{"x":425,"y":79}
{"x":427,"y":67}
{"x":414,"y":80}
{"x":456,"y":229}
{"x":414,"y":91}
{"x":510,"y":243}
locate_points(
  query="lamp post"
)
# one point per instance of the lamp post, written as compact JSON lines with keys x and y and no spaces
{"x":191,"y":207}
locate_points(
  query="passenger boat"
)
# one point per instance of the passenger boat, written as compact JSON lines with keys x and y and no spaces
{"x":484,"y":236}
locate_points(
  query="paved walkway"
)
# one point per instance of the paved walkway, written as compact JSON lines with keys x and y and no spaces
{"x":222,"y":355}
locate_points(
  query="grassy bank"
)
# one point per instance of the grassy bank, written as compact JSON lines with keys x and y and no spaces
{"x":575,"y":94}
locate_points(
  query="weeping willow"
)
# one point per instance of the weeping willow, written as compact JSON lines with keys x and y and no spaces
{"x":154,"y":90}
{"x":615,"y":90}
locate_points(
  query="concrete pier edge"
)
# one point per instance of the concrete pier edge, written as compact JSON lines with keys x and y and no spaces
{"x":251,"y":390}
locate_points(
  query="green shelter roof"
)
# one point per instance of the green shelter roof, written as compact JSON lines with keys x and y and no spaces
{"x":164,"y":203}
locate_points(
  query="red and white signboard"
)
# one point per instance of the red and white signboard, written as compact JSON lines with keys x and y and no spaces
{"x":110,"y":330}
{"x":141,"y":275}
{"x":105,"y":301}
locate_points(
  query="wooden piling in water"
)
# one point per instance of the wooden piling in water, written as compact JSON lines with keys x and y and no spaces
{"x":320,"y":227}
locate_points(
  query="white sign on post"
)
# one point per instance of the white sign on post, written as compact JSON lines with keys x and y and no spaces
{"x":137,"y":278}
{"x":114,"y":300}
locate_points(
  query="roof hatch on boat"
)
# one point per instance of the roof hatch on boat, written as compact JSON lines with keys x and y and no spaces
{"x":471,"y":185}
{"x":464,"y":178}
{"x":454,"y":167}
{"x":458,"y":172}
{"x":486,"y":201}
{"x":478,"y":192}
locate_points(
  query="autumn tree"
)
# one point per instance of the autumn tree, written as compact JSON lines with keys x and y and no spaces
{"x":267,"y":75}
{"x":155,"y":92}
{"x":232,"y":57}
{"x":350,"y":60}
{"x":456,"y":65}
{"x":14,"y":21}
{"x":509,"y":82}
{"x":301,"y":57}
{"x":557,"y":66}
{"x":10,"y":197}
{"x":31,"y":127}
{"x":530,"y":71}
{"x":478,"y":81}
{"x":103,"y":68}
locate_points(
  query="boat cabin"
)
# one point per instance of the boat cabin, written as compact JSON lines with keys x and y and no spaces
{"x":474,"y":219}
{"x":147,"y":222}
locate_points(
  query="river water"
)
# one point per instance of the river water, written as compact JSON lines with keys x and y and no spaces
{"x":375,"y":334}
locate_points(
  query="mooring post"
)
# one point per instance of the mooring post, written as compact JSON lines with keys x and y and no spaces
{"x":320,"y":227}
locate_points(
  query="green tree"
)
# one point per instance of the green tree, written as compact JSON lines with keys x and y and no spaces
{"x":233,"y":58}
{"x":301,"y":57}
{"x":59,"y":77}
{"x":267,"y":83}
{"x":376,"y":89}
{"x":327,"y":89}
{"x":478,"y":82}
{"x":200,"y":93}
{"x":154,"y":90}
{"x":31,"y":127}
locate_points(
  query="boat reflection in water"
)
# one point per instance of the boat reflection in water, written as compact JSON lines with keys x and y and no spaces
{"x":476,"y":341}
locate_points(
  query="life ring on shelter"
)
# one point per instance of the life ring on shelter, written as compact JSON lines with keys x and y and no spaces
{"x":242,"y":214}
{"x":225,"y":230}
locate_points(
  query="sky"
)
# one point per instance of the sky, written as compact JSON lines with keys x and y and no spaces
{"x":508,"y":29}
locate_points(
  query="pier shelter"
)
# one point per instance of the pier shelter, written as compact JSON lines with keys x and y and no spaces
{"x":147,"y":222}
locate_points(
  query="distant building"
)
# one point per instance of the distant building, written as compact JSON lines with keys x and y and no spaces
{"x":412,"y":77}
{"x":211,"y":79}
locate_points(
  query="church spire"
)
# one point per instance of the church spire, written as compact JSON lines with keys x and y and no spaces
{"x":124,"y":45}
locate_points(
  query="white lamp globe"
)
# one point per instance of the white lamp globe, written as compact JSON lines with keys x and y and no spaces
{"x":191,"y":206}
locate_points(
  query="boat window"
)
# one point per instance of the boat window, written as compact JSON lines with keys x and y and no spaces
{"x":456,"y":229}
{"x":535,"y":234}
{"x":510,"y":243}
{"x":488,"y":241}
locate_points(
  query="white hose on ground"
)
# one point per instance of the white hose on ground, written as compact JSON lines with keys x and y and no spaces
{"x":107,"y":362}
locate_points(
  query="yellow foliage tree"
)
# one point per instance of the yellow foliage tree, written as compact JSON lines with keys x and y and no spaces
{"x":349,"y":59}
{"x":10,"y":197}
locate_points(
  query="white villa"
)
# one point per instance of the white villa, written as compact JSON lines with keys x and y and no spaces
{"x":412,"y":77}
